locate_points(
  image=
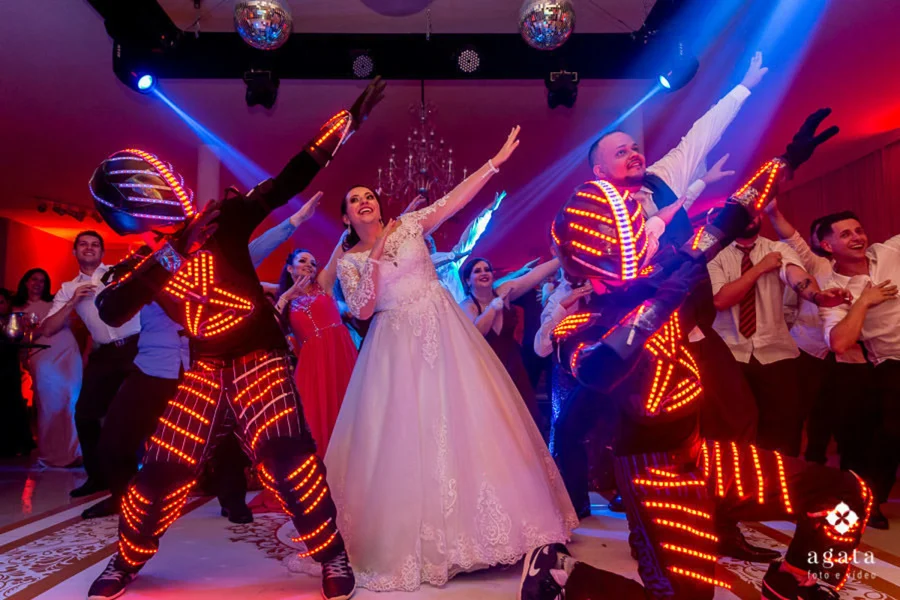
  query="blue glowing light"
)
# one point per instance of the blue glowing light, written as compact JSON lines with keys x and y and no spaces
{"x":145,"y":82}
{"x":663,"y":81}
{"x":247,"y":172}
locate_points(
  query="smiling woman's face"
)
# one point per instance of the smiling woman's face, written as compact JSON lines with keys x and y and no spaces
{"x":362,"y":207}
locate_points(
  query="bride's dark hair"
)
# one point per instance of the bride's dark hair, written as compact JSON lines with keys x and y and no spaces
{"x":352,"y":237}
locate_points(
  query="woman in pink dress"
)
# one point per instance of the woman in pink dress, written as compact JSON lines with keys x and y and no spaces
{"x":325,"y":351}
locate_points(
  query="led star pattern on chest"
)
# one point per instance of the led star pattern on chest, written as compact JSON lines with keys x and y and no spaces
{"x":209,"y":309}
{"x":676,"y":379}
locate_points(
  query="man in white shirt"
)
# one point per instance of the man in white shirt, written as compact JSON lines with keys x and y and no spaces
{"x":616,"y":158}
{"x":836,"y":384}
{"x":867,"y":273}
{"x":748,"y":281}
{"x":112,"y":352}
{"x":729,"y":412}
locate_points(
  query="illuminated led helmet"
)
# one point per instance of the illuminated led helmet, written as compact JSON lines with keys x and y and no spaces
{"x":135,"y":192}
{"x":601,"y":233}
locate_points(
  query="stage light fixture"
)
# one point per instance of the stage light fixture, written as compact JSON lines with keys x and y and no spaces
{"x":42,"y":207}
{"x":60,"y":210}
{"x":680,"y":71}
{"x":363,"y":66}
{"x":262,"y":88}
{"x":562,"y":89}
{"x":146,"y":82}
{"x":468,"y":61}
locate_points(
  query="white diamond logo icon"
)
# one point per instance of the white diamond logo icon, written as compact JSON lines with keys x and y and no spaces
{"x":842,"y":518}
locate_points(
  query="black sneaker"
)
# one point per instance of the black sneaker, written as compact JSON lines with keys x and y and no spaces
{"x":105,"y":508}
{"x":780,"y":585}
{"x":239,"y":514}
{"x":538,"y":582}
{"x":877,"y":520}
{"x":91,"y":486}
{"x":338,"y":582}
{"x":112,"y":581}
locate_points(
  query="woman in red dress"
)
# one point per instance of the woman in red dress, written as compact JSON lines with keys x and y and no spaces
{"x":325,"y":351}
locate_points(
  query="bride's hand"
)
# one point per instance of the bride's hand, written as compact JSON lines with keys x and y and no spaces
{"x":388,"y":229}
{"x":512,"y":142}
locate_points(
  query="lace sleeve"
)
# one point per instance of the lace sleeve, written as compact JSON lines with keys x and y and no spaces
{"x":358,"y":286}
{"x":430,"y":217}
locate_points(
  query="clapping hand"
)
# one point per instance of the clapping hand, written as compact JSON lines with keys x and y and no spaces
{"x":501,"y":300}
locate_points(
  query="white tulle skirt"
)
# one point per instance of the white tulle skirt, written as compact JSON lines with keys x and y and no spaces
{"x":435,"y":463}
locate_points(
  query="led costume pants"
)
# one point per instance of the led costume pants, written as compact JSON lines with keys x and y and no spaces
{"x":255,"y":397}
{"x":672,"y":499}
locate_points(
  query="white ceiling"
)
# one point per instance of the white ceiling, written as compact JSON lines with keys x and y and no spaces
{"x":410,"y":16}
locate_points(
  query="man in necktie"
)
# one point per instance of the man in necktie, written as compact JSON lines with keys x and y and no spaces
{"x":748,"y":279}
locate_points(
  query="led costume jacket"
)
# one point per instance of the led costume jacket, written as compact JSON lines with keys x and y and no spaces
{"x":215,"y":294}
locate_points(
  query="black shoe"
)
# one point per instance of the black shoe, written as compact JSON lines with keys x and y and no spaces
{"x":538,"y":582}
{"x":584,"y":513}
{"x":105,"y":508}
{"x":616,"y":505}
{"x":240,"y":514}
{"x":780,"y":585}
{"x":877,"y":520}
{"x":338,"y":582}
{"x":91,"y":486}
{"x":735,"y":545}
{"x":112,"y":581}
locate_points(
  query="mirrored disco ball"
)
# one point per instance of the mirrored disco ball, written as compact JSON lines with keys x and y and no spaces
{"x":546,"y":25}
{"x":264,"y":24}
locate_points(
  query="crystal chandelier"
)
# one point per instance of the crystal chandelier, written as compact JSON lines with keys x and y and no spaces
{"x":427,"y":169}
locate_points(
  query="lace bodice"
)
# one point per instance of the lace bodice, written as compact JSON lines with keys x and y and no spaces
{"x":404,"y":271}
{"x":405,"y":284}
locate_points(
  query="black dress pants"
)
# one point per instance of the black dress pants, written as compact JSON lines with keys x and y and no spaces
{"x":782,"y":408}
{"x":131,"y":419}
{"x":106,"y":370}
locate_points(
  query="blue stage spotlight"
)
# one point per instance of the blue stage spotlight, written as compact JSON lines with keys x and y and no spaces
{"x":145,"y":82}
{"x":680,"y":71}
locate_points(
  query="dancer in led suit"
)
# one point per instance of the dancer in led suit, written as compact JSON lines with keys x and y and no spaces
{"x":630,"y":346}
{"x":204,"y":279}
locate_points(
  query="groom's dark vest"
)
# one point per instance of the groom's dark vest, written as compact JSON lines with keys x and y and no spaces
{"x":679,"y":230}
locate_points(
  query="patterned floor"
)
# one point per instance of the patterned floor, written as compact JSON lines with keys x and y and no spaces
{"x":55,"y":556}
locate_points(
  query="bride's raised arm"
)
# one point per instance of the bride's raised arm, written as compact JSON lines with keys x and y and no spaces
{"x":462,"y":194}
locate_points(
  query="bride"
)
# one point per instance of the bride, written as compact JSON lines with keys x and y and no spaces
{"x":435,"y":463}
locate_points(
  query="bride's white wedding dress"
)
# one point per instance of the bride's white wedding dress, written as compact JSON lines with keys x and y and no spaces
{"x":435,"y":463}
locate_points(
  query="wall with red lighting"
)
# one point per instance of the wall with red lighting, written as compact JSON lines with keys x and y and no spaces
{"x":24,"y":247}
{"x":869,"y":186}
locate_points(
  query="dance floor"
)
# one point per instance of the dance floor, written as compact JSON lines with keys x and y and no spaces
{"x":48,"y":552}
